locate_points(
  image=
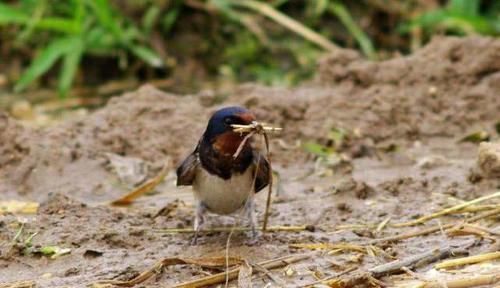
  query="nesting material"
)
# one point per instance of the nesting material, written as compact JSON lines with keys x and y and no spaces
{"x":263,"y":129}
{"x":255,"y":127}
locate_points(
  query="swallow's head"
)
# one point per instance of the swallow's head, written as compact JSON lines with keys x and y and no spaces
{"x":219,"y":132}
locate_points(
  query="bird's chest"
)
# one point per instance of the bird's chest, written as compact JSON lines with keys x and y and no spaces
{"x":223,"y":196}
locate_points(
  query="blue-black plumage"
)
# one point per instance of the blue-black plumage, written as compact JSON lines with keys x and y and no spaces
{"x":222,"y":183}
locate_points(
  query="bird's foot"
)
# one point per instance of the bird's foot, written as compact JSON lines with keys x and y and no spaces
{"x":253,"y":237}
{"x":253,"y":240}
{"x":199,"y":220}
{"x":194,"y":240}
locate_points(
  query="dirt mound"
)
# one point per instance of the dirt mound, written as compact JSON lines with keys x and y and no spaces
{"x":449,"y":86}
{"x":446,"y":89}
{"x":439,"y":94}
{"x":13,"y":146}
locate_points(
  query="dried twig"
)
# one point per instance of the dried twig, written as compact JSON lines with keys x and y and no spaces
{"x":330,"y":246}
{"x":328,"y":280}
{"x":245,"y":276}
{"x":473,"y":281}
{"x":255,"y":127}
{"x":232,"y":274}
{"x":245,"y":139}
{"x":144,"y":188}
{"x":266,"y":272}
{"x":396,"y":266}
{"x":411,"y":273}
{"x":477,"y":208}
{"x":478,"y":231}
{"x":448,"y":210}
{"x":286,"y":21}
{"x":259,"y":128}
{"x":19,"y":284}
{"x":239,"y":229}
{"x":430,"y":230}
{"x":469,"y":209}
{"x":268,"y":200}
{"x":383,"y":224}
{"x":468,"y":260}
{"x":18,"y":207}
{"x":410,"y":262}
{"x":157,"y":268}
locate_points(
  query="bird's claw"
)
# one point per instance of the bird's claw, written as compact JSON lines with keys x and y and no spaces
{"x":253,"y":238}
{"x":194,"y":240}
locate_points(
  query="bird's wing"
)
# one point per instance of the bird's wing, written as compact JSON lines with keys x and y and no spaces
{"x":261,"y":166}
{"x":187,"y":170}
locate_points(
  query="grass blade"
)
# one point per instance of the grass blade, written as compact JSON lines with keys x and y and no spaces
{"x":317,"y":149}
{"x":464,"y":7}
{"x":36,"y":13}
{"x":320,"y":7}
{"x":147,"y":55}
{"x":427,"y":20}
{"x":363,"y":40}
{"x":168,"y":20}
{"x":468,"y":24}
{"x":244,"y":20}
{"x":447,"y":20}
{"x":58,"y":24}
{"x":10,"y":15}
{"x":287,"y":22}
{"x":150,"y":18}
{"x":70,"y":64}
{"x":42,"y":63}
{"x":99,"y":42}
{"x":104,"y":14}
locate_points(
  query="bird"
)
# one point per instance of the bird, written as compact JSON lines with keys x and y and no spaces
{"x":225,"y":183}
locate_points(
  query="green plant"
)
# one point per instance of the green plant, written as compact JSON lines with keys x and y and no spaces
{"x":265,"y":55}
{"x":335,"y":139}
{"x":262,"y":55}
{"x":318,"y":150}
{"x":365,"y":43}
{"x":316,"y":7}
{"x":73,"y":29}
{"x":268,"y":41}
{"x":26,"y":244}
{"x":459,"y":17}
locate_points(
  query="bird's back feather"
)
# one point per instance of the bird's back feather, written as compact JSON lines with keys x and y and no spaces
{"x":186,"y":172}
{"x":261,"y":166}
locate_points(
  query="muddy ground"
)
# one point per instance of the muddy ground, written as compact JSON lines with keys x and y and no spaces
{"x":399,"y":158}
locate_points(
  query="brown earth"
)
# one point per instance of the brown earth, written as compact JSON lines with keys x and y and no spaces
{"x":399,"y":157}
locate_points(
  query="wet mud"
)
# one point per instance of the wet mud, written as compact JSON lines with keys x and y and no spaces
{"x":365,"y":142}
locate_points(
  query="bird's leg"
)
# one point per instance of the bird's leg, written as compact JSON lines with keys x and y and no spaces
{"x":199,"y":220}
{"x":250,"y":215}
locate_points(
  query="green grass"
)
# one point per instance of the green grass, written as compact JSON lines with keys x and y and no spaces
{"x":459,"y":17}
{"x":276,"y":42}
{"x":75,"y":28}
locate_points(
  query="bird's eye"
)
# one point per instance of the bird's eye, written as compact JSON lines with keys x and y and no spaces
{"x":228,"y":121}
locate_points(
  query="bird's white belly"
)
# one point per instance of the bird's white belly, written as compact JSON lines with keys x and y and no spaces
{"x":223,"y":196}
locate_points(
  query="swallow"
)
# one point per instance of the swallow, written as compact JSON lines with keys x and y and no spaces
{"x":222,"y":183}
